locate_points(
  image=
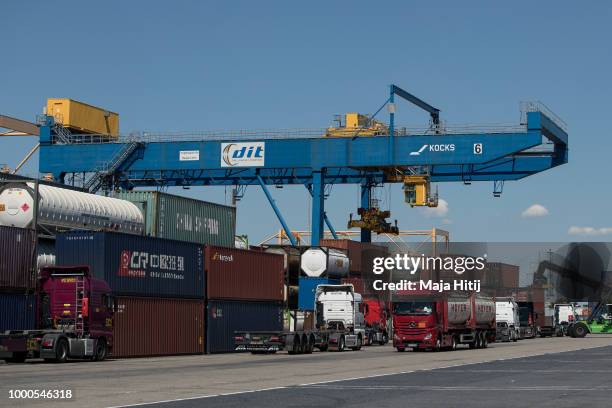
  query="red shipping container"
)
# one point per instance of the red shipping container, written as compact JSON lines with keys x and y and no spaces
{"x":147,"y":326}
{"x":240,"y":274}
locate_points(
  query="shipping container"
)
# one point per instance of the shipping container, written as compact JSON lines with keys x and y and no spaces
{"x":241,"y":274}
{"x":17,"y":255}
{"x":184,"y":219}
{"x":83,"y":118}
{"x":224,"y":317}
{"x":361,"y":254}
{"x":306,"y":290}
{"x":146,"y":326}
{"x":507,"y":275}
{"x":136,"y":266}
{"x":17,"y":311}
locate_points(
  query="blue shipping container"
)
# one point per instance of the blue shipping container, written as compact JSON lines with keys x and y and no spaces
{"x":306,"y":290}
{"x":17,"y":311}
{"x":224,"y":317}
{"x":136,"y":265}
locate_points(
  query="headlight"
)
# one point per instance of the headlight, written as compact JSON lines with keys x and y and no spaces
{"x":427,"y":336}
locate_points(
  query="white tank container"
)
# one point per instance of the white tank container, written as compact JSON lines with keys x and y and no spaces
{"x":484,"y":310}
{"x":68,"y":209}
{"x":459,"y":309}
{"x":324,"y":262}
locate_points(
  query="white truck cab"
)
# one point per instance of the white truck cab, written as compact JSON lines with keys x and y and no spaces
{"x":507,"y":319}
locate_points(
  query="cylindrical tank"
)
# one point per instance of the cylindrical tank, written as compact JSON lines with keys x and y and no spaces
{"x":44,"y":260}
{"x":324,"y":262}
{"x":67,"y":209}
{"x":484,"y":310}
{"x":459,"y":309}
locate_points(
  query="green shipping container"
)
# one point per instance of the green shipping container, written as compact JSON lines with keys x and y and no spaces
{"x":184,"y":219}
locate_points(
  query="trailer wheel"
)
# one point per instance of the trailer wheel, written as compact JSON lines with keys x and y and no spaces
{"x":370,"y":338}
{"x":385,"y":339}
{"x":580,"y":330}
{"x":341,"y":344}
{"x":61,"y":351}
{"x":101,"y":350}
{"x":485,"y":340}
{"x":296,"y":347}
{"x":453,"y":346}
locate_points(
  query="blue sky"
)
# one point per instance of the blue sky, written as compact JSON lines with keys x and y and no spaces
{"x":205,"y":65}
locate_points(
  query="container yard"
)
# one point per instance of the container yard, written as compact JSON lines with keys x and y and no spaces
{"x":281,"y":214}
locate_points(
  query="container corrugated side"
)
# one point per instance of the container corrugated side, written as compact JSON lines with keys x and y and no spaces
{"x":134,"y":265}
{"x":244,"y":275}
{"x":17,"y":311}
{"x":185,"y":219}
{"x":307,"y":288}
{"x":224,"y":317}
{"x":158,"y":326}
{"x":17,"y":254}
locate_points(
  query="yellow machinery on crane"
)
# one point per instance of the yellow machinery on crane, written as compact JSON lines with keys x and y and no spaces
{"x":356,"y":124}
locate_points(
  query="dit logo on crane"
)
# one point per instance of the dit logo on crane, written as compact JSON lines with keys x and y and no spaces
{"x":243,"y":154}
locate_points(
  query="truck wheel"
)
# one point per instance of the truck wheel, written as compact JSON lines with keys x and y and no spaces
{"x":295,"y":347}
{"x":401,"y":349}
{"x":438,"y":346}
{"x":61,"y":351}
{"x":485,"y":341}
{"x":580,"y":330}
{"x":453,"y":345}
{"x":341,"y":344}
{"x":323,"y":347}
{"x":101,"y":350}
{"x":570,"y":331}
{"x":516,"y":337}
{"x":385,"y":339}
{"x":359,"y":344}
{"x":370,"y":338}
{"x":309,"y":345}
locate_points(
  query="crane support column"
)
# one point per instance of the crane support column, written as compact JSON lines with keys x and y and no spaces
{"x":327,"y":221}
{"x":277,"y":211}
{"x":318,"y":207}
{"x":391,"y":148}
{"x":366,"y":191}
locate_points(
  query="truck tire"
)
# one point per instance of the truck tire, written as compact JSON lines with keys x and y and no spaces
{"x":580,"y":330}
{"x":385,"y":339}
{"x":437,"y":346}
{"x":341,"y":344}
{"x":359,"y":344}
{"x":453,"y":346}
{"x":370,"y":338}
{"x":309,"y":345}
{"x":101,"y":351}
{"x":61,"y":351}
{"x":323,"y":347}
{"x":570,"y":331}
{"x":401,"y":349}
{"x":485,"y":340}
{"x":296,"y":346}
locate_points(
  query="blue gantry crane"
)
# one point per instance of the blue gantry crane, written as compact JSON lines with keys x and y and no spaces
{"x":362,"y":151}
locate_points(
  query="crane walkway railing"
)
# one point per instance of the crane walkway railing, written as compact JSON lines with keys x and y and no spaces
{"x":244,"y":135}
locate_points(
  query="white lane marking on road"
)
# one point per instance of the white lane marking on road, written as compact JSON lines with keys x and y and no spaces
{"x":349,"y":379}
{"x":225,"y":394}
{"x":460,"y":388}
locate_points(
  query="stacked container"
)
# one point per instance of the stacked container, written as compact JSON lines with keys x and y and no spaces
{"x":245,"y":290}
{"x":184,"y":219}
{"x":159,"y":285}
{"x":17,"y":278}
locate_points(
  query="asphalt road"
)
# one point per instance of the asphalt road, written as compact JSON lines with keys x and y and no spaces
{"x":539,"y":372}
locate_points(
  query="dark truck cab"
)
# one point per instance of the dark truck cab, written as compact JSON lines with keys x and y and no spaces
{"x":74,"y":319}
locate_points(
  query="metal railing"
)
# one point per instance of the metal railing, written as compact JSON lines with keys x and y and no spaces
{"x":243,"y":135}
{"x":537,"y":106}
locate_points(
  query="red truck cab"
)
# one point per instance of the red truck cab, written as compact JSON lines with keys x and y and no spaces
{"x":375,"y":316}
{"x":75,"y":319}
{"x":433,"y":321}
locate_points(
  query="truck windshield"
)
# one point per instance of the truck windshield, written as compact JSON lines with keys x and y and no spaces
{"x":413,"y":308}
